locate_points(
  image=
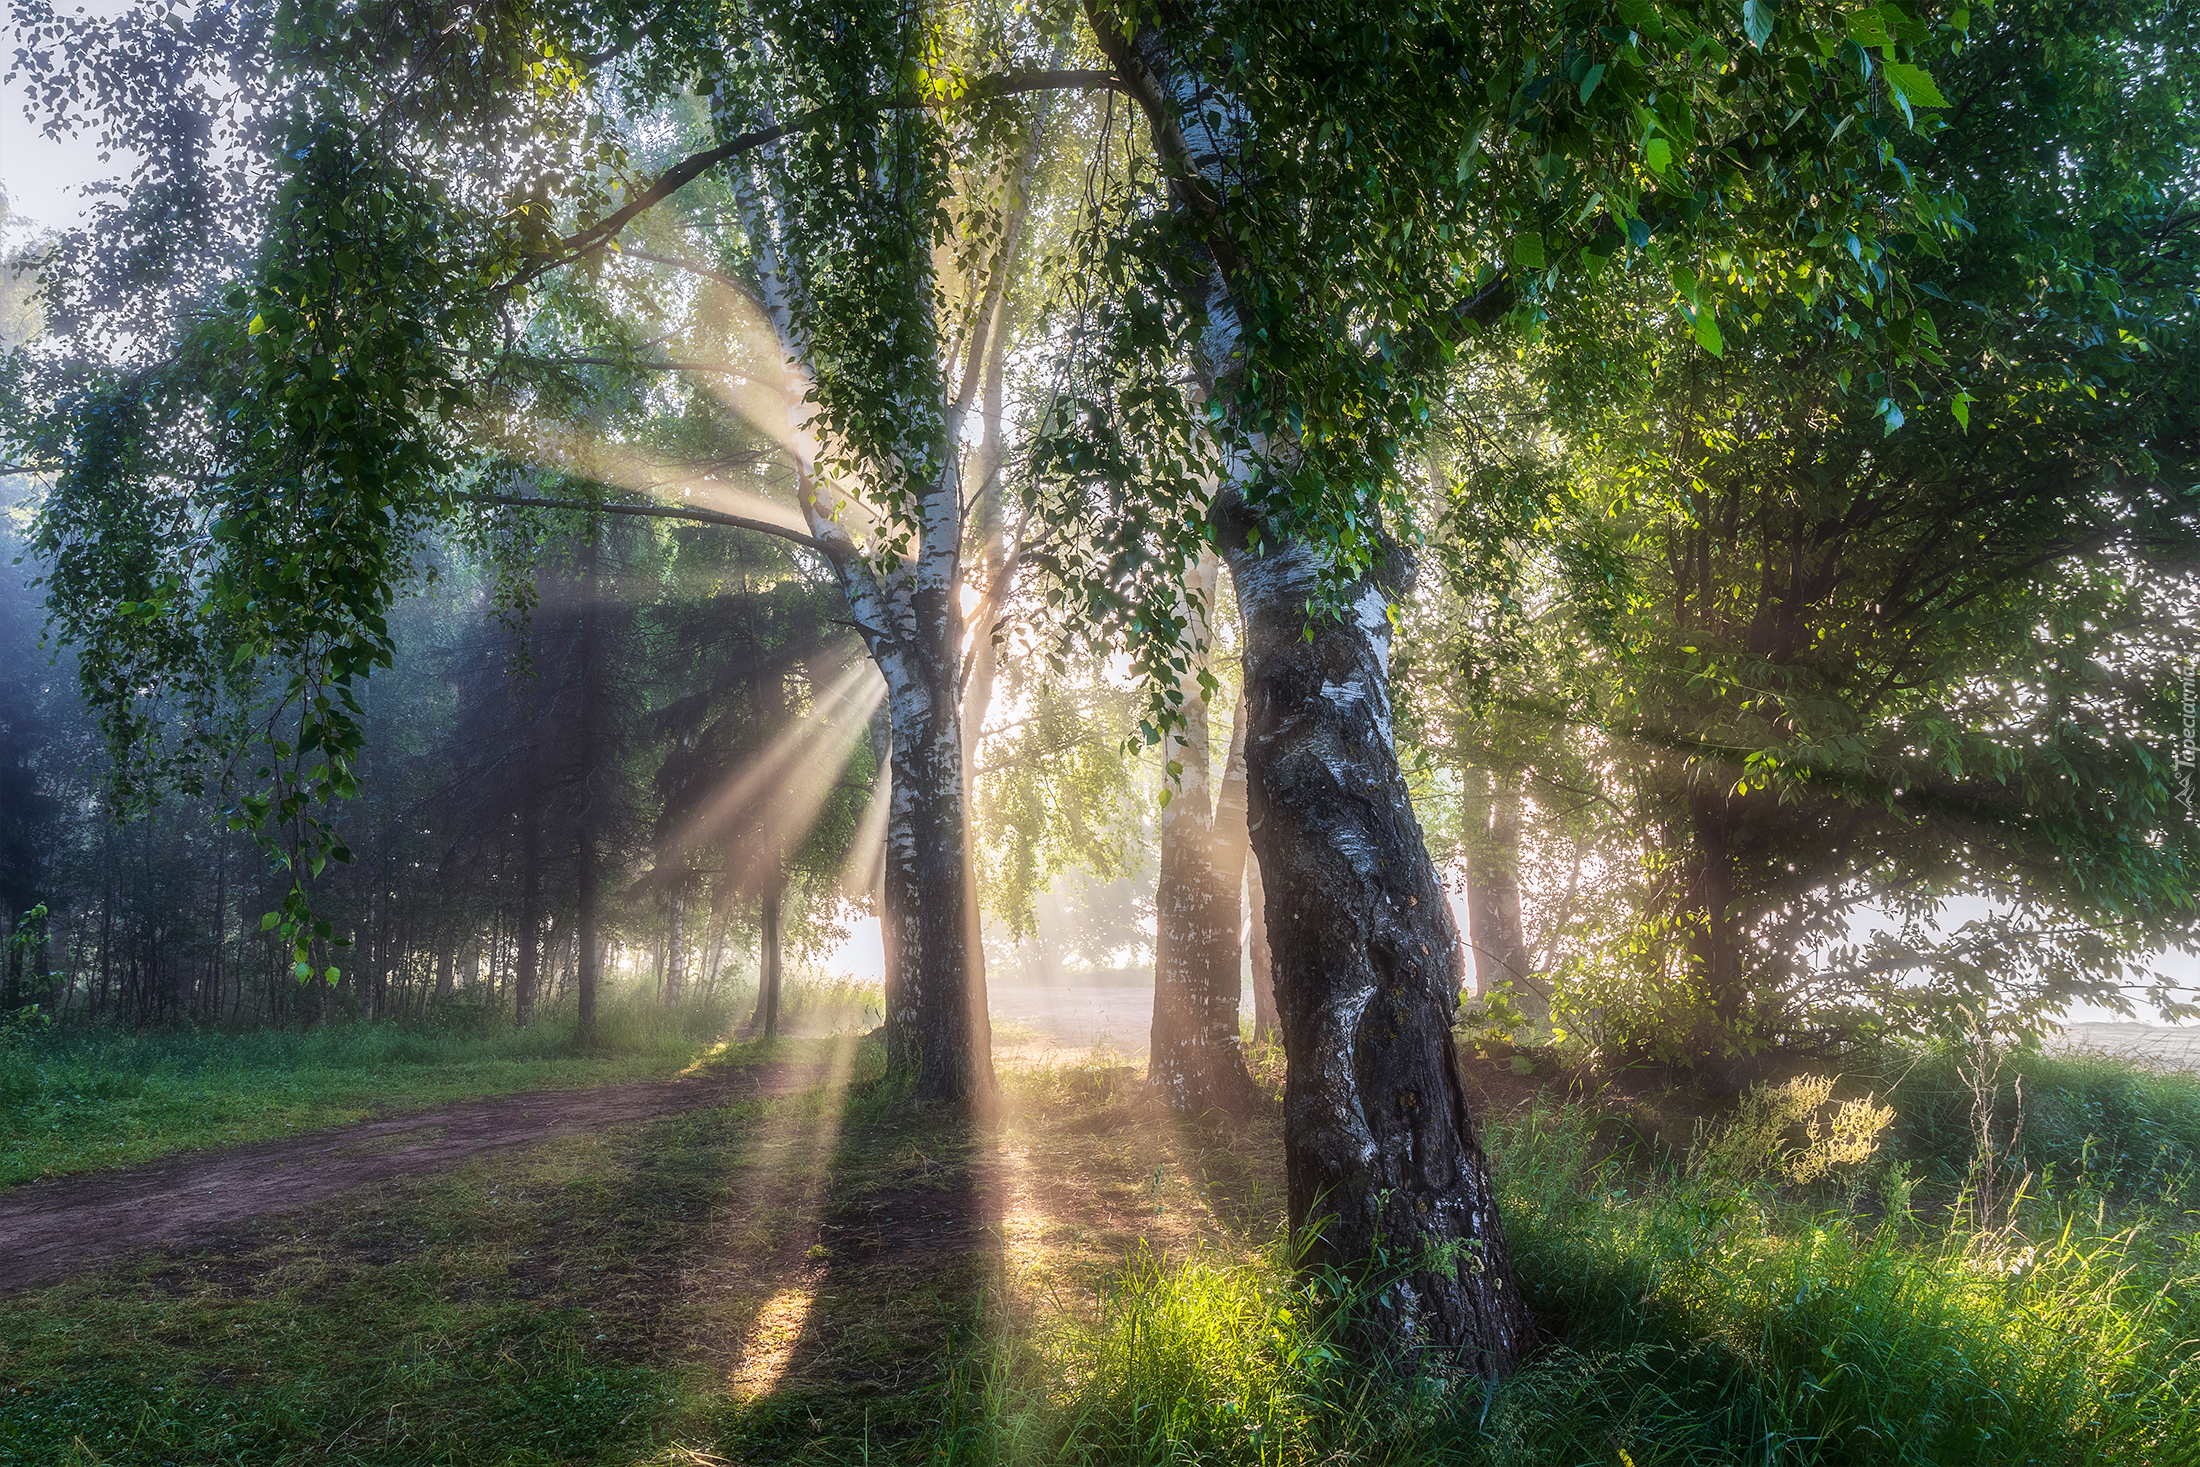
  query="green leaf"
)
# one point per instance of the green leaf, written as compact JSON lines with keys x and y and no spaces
{"x":1914,"y":83}
{"x":1960,"y":405}
{"x":1707,"y":333}
{"x":1527,"y":251}
{"x":1867,"y":27}
{"x":1470,"y":156}
{"x":1657,"y":156}
{"x":1589,"y":82}
{"x":1757,"y":21}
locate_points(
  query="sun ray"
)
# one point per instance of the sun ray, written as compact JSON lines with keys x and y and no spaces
{"x":788,"y":782}
{"x":782,"y":1211}
{"x":865,"y":867}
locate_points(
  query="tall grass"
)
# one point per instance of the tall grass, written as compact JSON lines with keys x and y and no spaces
{"x":1706,"y":1325}
{"x":1690,"y":1319}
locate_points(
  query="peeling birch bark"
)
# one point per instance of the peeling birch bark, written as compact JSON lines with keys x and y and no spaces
{"x":909,"y":614}
{"x":1380,"y":1151}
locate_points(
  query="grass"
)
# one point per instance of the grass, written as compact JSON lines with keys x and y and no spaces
{"x":83,"y":1098}
{"x":837,"y":1277}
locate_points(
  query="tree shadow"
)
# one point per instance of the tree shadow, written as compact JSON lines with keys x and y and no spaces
{"x":891,"y":1268}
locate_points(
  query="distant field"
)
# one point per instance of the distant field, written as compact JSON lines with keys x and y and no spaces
{"x":2158,"y":1042}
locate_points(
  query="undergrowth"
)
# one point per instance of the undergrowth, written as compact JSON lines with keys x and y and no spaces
{"x":1705,"y":1310}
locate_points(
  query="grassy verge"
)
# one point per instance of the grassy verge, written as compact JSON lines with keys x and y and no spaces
{"x":838,"y":1277}
{"x":82,"y":1098}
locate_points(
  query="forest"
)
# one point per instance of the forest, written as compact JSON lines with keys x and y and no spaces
{"x":1198,"y":733}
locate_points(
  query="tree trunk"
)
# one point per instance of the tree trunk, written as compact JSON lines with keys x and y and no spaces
{"x":937,"y":1028}
{"x":527,"y":963}
{"x":1500,"y":941}
{"x":1267,"y":1027}
{"x":1194,"y":1058}
{"x":1377,"y":1134}
{"x":937,"y":1031}
{"x":588,"y":976}
{"x":1227,"y":962}
{"x":769,"y":956}
{"x":676,"y":941}
{"x":1714,"y":946}
{"x":1376,"y":1128}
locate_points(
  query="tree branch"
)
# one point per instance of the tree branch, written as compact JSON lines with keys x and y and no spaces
{"x":587,"y":241}
{"x":655,"y":512}
{"x":718,"y":277}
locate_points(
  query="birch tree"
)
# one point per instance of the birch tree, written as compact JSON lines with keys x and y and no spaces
{"x":430,"y":215}
{"x":1347,"y":197}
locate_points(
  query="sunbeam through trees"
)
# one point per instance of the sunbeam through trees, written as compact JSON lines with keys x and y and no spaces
{"x":1195,"y":732}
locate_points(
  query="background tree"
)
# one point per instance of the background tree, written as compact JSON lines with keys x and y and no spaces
{"x":1886,"y":639}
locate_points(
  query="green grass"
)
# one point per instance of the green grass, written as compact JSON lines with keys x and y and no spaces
{"x":430,"y":1321}
{"x":1691,"y":1320}
{"x":78,"y":1098}
{"x":561,"y":1303}
{"x":2085,"y":1122}
{"x":838,"y":1277}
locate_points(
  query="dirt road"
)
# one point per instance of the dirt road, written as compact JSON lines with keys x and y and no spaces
{"x":51,"y":1229}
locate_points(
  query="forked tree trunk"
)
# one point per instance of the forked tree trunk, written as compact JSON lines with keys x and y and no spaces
{"x":937,"y":1031}
{"x":1379,"y":1145}
{"x":1194,"y":1058}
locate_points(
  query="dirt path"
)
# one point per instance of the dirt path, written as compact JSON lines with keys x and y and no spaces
{"x":51,"y":1229}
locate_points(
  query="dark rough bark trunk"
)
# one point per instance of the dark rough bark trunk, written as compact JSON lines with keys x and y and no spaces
{"x":1378,"y":1138}
{"x":769,"y":943}
{"x":1194,"y":1058}
{"x":937,"y":1028}
{"x":530,"y":925}
{"x":1377,"y":1134}
{"x":588,"y":958}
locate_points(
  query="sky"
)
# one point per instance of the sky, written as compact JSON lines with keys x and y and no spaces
{"x":40,"y":174}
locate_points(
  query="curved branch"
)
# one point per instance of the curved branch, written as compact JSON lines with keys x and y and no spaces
{"x":587,"y":241}
{"x":717,"y":277}
{"x":655,"y":512}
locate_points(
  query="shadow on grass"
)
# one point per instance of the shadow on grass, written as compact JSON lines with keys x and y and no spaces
{"x":884,"y":1284}
{"x":534,"y":1305}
